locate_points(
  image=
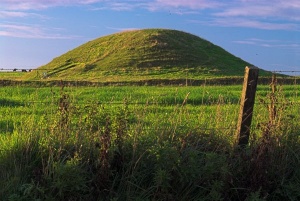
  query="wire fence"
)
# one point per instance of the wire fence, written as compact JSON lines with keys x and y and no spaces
{"x":128,"y":69}
{"x":43,"y":77}
{"x":156,"y":101}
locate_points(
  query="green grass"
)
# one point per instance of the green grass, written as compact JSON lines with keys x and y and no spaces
{"x":145,"y":143}
{"x":11,"y":75}
{"x":143,"y":55}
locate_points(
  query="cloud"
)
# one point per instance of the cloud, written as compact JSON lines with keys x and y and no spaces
{"x":123,"y":29}
{"x":269,"y":43}
{"x":278,"y":9}
{"x":115,"y":5}
{"x":247,"y":23}
{"x":258,"y":14}
{"x":18,"y":14}
{"x":253,"y":23}
{"x":232,"y":8}
{"x":41,"y":4}
{"x":7,"y":14}
{"x":192,"y":4}
{"x":126,"y":5}
{"x":31,"y":31}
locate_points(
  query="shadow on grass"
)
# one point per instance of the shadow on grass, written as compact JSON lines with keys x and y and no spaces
{"x":10,"y":103}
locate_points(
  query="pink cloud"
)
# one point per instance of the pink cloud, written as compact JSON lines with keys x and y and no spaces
{"x":260,"y":14}
{"x":116,"y":5}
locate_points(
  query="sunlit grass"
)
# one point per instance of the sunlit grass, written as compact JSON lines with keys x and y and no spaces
{"x":147,"y":143}
{"x":11,"y":75}
{"x":143,"y":55}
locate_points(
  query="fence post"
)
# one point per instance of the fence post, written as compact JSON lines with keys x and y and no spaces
{"x":247,"y":105}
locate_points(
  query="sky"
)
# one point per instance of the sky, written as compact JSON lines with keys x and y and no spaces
{"x":265,"y":33}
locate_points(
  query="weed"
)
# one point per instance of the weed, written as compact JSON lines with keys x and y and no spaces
{"x":129,"y":143}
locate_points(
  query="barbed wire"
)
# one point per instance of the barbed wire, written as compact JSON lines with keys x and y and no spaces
{"x":143,"y":70}
{"x":160,"y":102}
{"x":119,"y":103}
{"x":123,"y":70}
{"x":167,"y":129}
{"x":156,"y":103}
{"x":286,"y":71}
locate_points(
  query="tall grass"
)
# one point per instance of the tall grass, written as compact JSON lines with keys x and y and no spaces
{"x":99,"y":150}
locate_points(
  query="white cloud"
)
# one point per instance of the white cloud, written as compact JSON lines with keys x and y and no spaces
{"x":287,"y":9}
{"x":252,"y":23}
{"x":41,"y":4}
{"x":124,"y":6}
{"x":116,"y":4}
{"x":258,"y":14}
{"x":123,"y":29}
{"x":192,"y":4}
{"x":18,"y":14}
{"x":278,"y":9}
{"x":30,"y":31}
{"x":269,"y":43}
{"x":248,"y":23}
{"x":7,"y":14}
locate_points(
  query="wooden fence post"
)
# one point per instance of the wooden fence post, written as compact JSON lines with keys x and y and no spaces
{"x":247,"y":105}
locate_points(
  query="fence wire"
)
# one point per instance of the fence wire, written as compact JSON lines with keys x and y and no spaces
{"x":266,"y":102}
{"x":133,"y":69}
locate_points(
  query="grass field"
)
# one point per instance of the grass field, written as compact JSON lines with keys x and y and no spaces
{"x":146,"y":143}
{"x":74,"y":129}
{"x":11,"y":75}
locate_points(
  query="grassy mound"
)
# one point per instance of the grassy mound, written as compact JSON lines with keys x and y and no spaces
{"x":141,"y":55}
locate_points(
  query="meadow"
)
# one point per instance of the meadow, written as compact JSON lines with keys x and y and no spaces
{"x":10,"y":75}
{"x":146,"y":143}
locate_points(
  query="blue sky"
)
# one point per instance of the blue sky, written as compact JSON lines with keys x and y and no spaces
{"x":265,"y":33}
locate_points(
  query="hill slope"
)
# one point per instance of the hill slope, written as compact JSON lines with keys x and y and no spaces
{"x":143,"y":54}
